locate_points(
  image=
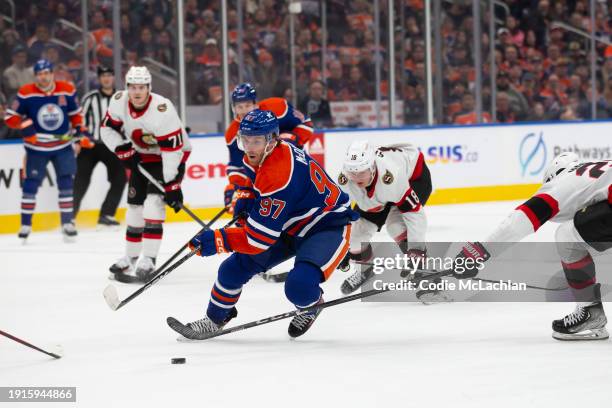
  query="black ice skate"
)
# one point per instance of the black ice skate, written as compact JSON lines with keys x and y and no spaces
{"x":145,"y":268}
{"x":356,"y":280}
{"x":199,"y":329}
{"x":300,"y":324}
{"x":584,"y":323}
{"x":107,"y":222}
{"x":123,"y":270}
{"x":24,"y":233}
{"x":69,"y":232}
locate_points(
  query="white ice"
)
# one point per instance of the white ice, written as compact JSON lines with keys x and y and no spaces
{"x":357,"y":354}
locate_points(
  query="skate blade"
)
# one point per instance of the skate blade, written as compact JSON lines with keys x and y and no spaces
{"x":592,"y":334}
{"x":24,"y":241}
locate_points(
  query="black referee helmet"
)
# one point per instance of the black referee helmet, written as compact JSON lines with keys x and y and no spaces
{"x":102,"y":69}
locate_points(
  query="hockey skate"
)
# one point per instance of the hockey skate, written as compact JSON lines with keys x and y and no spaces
{"x":107,"y":222}
{"x":123,"y":270}
{"x":145,"y":268}
{"x":356,"y":280}
{"x":69,"y":232}
{"x":584,"y":323}
{"x":199,"y":329}
{"x":300,"y":324}
{"x":24,"y":233}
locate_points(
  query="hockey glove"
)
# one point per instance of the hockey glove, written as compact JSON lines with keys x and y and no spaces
{"x":210,"y":242}
{"x":470,"y":260}
{"x":174,"y":195}
{"x":244,"y":198}
{"x":83,"y":138}
{"x":228,"y":197}
{"x":128,"y":156}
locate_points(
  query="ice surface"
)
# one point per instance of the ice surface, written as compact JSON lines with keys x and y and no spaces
{"x":357,"y":354}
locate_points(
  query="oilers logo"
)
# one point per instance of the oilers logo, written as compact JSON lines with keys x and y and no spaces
{"x":50,"y":117}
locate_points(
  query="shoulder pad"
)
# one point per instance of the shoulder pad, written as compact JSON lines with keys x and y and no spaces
{"x":276,"y":172}
{"x":27,"y":89}
{"x":278,"y":106}
{"x":64,"y":86}
{"x":232,"y":131}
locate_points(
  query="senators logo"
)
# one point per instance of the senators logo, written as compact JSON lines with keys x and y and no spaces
{"x":118,"y":95}
{"x":342,"y":179}
{"x":387,"y":177}
{"x":162,"y":107}
{"x":144,"y":140}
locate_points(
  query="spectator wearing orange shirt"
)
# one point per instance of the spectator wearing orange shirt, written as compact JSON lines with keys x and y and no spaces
{"x":468,"y":116}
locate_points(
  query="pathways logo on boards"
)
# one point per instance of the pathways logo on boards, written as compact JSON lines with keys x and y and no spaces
{"x":532,"y":154}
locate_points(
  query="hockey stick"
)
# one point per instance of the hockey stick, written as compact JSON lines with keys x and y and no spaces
{"x":175,"y":324}
{"x":110,"y":292}
{"x":452,"y":274}
{"x":56,"y":355}
{"x":274,"y":277}
{"x":157,"y":185}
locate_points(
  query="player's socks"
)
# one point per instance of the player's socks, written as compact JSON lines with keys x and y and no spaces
{"x":66,"y":206}
{"x":28,"y":203}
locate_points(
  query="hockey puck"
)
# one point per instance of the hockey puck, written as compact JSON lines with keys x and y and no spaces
{"x":178,"y":360}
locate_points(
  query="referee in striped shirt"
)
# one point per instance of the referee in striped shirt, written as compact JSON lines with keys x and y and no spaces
{"x":95,"y":104}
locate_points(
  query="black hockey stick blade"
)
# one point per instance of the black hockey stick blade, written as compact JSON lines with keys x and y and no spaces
{"x":57,"y":351}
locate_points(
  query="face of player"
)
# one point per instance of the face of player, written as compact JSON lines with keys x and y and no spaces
{"x":138,"y":94}
{"x":255,"y":147}
{"x":362,"y":178}
{"x":44,"y":79}
{"x":242,"y":108}
{"x":107,"y":81}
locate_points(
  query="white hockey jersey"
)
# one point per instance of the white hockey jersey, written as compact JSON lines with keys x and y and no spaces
{"x":156,"y":132}
{"x":558,"y":200}
{"x":396,"y":166}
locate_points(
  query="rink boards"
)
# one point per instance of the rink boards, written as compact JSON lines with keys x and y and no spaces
{"x":467,"y":163}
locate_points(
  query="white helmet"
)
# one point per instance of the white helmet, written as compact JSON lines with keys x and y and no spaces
{"x":359,"y":157}
{"x":560,"y":163}
{"x":138,"y":75}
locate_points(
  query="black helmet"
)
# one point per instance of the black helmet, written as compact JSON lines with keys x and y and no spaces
{"x":102,"y":69}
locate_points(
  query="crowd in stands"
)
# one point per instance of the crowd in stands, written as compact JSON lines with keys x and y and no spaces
{"x":543,"y":69}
